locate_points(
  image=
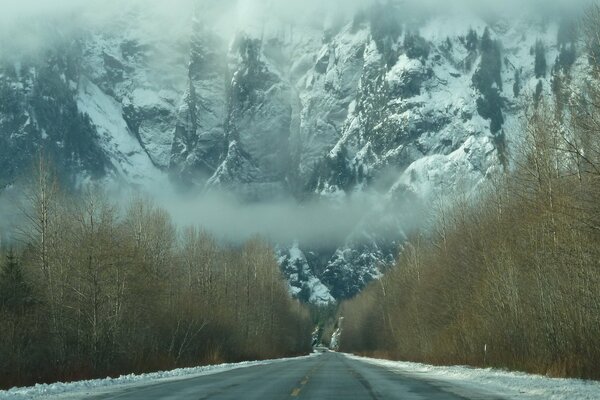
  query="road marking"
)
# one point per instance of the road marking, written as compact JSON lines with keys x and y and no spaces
{"x":296,"y":392}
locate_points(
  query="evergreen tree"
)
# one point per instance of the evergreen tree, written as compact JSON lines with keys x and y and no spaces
{"x":15,"y":292}
{"x":385,"y":30}
{"x":567,"y":32}
{"x":490,"y":107}
{"x":416,"y":47}
{"x":517,"y":86}
{"x":490,"y":69}
{"x":487,"y":43}
{"x":541,"y":65}
{"x":488,"y":80}
{"x":566,"y":58}
{"x":539,"y":90}
{"x":472,"y":41}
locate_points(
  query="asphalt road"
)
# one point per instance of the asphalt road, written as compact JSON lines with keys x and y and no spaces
{"x":327,"y":376}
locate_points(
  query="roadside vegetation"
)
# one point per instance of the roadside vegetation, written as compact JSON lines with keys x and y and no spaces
{"x":511,"y":278}
{"x":92,"y":290}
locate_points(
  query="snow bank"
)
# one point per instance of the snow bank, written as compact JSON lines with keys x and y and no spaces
{"x":509,"y":385}
{"x":65,"y":390}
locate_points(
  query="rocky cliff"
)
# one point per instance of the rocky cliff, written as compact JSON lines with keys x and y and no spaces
{"x":398,"y":107}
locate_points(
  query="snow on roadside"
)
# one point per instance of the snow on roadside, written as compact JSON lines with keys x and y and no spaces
{"x":509,"y":385}
{"x":73,"y":389}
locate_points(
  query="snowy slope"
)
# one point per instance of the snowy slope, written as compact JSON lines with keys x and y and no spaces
{"x":130,"y":161}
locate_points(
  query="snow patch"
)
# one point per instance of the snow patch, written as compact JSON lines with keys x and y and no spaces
{"x":129,"y":158}
{"x":294,"y":262}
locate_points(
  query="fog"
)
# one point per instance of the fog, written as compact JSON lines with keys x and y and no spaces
{"x":11,"y":215}
{"x":325,"y":223}
{"x":27,"y":26}
{"x":314,"y":223}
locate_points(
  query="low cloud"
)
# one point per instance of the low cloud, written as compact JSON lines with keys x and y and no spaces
{"x":318,"y":223}
{"x":27,"y":26}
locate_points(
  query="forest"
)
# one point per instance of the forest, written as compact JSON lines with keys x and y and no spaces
{"x":91,"y":288}
{"x":509,"y":277}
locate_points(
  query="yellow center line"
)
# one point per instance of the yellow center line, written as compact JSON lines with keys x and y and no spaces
{"x":296,"y":391}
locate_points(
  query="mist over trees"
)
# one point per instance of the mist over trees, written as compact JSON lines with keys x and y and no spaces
{"x":511,"y":278}
{"x":93,"y":290}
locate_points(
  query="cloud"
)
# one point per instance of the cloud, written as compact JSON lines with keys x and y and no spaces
{"x":26,"y":26}
{"x":318,"y":223}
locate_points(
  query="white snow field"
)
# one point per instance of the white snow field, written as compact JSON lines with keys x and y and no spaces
{"x":508,"y":385}
{"x":62,"y":390}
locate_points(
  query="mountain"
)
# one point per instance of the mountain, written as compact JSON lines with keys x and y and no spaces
{"x":388,"y":105}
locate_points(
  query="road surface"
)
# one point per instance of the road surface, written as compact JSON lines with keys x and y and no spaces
{"x":326,"y":376}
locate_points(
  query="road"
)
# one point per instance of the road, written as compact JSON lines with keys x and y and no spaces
{"x":326,"y":376}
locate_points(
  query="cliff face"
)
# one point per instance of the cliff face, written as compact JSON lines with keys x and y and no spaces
{"x":402,"y":109}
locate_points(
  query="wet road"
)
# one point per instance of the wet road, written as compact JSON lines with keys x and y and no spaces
{"x":326,"y":376}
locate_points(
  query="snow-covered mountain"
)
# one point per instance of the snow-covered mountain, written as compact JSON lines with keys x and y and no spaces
{"x":399,"y":107}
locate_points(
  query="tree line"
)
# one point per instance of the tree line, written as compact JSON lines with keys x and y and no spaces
{"x":93,"y":289}
{"x":511,"y":278}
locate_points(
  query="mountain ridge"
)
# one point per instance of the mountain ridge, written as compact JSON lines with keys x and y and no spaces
{"x":379,"y":106}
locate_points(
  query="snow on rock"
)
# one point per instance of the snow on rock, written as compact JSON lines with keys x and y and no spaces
{"x":146,"y":75}
{"x":319,"y":293}
{"x":462,"y":170}
{"x":129,"y":158}
{"x":504,"y":384}
{"x":237,"y":168}
{"x":156,"y":127}
{"x":413,"y":118}
{"x":302,"y":282}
